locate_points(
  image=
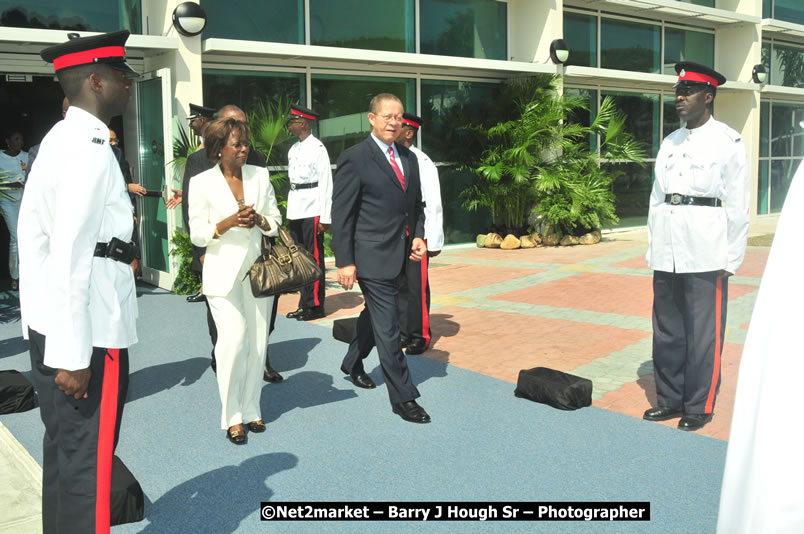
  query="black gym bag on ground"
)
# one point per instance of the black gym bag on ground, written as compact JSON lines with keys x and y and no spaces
{"x":344,"y":329}
{"x":16,"y":393}
{"x":126,"y":502}
{"x":554,"y":388}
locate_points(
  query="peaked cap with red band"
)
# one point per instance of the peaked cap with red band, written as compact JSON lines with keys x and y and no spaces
{"x":414,"y":121}
{"x":692,"y":74}
{"x":303,"y":112}
{"x":107,"y":48}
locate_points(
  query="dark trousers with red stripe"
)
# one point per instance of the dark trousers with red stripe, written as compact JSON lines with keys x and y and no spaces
{"x":689,"y":324}
{"x":305,"y":233}
{"x":80,"y":438}
{"x":414,"y":302}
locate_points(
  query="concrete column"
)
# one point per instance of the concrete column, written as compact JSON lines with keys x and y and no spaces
{"x":533,"y":25}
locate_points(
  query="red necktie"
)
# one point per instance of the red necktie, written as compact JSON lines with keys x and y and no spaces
{"x":395,"y":166}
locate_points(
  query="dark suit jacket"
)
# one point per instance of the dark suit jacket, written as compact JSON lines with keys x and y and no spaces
{"x":197,"y":163}
{"x":370,"y":210}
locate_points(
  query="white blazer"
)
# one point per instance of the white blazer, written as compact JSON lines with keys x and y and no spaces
{"x":212,"y":202}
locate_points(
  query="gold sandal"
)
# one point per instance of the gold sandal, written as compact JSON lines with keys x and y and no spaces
{"x":236,"y":435}
{"x":256,"y":426}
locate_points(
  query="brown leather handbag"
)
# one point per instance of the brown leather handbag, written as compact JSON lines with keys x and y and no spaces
{"x":283,"y":267}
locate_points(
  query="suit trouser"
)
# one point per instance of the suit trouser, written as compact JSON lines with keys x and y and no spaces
{"x":10,"y":210}
{"x":305,"y":232}
{"x":379,"y":321}
{"x":414,"y":301}
{"x":80,"y":438}
{"x":689,"y":324}
{"x":242,"y":325}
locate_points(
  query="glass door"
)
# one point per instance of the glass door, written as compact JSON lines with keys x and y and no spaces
{"x":157,"y":224}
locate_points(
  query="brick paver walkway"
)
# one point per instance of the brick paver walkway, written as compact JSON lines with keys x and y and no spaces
{"x":584,"y":310}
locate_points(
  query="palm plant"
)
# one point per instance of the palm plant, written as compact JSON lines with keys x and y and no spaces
{"x":268,"y":131}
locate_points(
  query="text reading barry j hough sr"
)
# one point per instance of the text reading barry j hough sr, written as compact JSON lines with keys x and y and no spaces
{"x":455,"y":511}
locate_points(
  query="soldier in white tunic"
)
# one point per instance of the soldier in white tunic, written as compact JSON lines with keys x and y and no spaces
{"x":77,"y":294}
{"x":309,"y":203}
{"x":697,"y":231}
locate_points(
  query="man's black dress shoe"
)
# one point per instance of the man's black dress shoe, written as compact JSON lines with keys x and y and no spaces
{"x":295,"y":314}
{"x":694,"y":421}
{"x":198,"y":297}
{"x":311,"y":314}
{"x":270,"y":375}
{"x":361,"y":380}
{"x":411,"y":411}
{"x":416,"y":346}
{"x":662,"y":414}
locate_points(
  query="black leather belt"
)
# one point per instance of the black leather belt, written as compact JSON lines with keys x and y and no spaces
{"x":117,"y":250}
{"x":311,"y":185}
{"x":683,"y":200}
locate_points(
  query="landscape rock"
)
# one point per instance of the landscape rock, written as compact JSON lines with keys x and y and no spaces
{"x":510,"y":242}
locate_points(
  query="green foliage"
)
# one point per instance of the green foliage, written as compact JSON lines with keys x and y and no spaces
{"x":183,"y":145}
{"x":538,"y":159}
{"x":187,"y":281}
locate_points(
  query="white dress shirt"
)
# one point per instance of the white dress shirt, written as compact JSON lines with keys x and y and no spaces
{"x":308,"y":162}
{"x":708,"y":161}
{"x":431,"y":195}
{"x":76,"y":197}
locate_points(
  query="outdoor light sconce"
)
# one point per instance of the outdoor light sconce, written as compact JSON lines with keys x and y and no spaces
{"x":759,"y":74}
{"x":559,"y":52}
{"x":189,"y":19}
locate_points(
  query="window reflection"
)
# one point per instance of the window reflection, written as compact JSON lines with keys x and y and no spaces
{"x":472,"y":28}
{"x":83,"y":15}
{"x":362,"y":24}
{"x":276,"y":21}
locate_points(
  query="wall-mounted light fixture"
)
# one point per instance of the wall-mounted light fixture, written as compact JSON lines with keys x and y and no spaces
{"x":759,"y":74}
{"x":189,"y":19}
{"x":559,"y":52}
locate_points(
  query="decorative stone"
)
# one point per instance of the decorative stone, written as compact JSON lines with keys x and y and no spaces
{"x":591,"y":238}
{"x":537,"y":237}
{"x":493,"y":240}
{"x":550,"y":239}
{"x":527,"y":242}
{"x":510,"y":242}
{"x":480,"y":240}
{"x":568,"y":240}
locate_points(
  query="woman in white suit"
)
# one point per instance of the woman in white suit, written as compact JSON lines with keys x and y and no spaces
{"x":233,"y":206}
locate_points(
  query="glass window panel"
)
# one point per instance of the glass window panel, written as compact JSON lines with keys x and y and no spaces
{"x":786,"y":131}
{"x":684,"y":45}
{"x":276,"y":21}
{"x":641,"y":117}
{"x":630,"y":46}
{"x":707,"y":3}
{"x":672,"y":121}
{"x":766,"y":60}
{"x":342,"y":102}
{"x":787,"y":66}
{"x":81,"y":15}
{"x":460,"y":224}
{"x":470,"y":28}
{"x":584,"y":116}
{"x":764,"y":129}
{"x":363,"y":24}
{"x":789,"y":10}
{"x":767,"y":9}
{"x":580,"y":34}
{"x":447,"y":107}
{"x":782,"y":172}
{"x":632,"y":188}
{"x":762,"y":188}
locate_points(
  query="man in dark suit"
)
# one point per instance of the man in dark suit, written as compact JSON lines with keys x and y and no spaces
{"x":378,"y":221}
{"x":197,"y":163}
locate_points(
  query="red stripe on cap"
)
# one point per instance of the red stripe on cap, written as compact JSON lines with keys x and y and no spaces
{"x":697,"y":77}
{"x":88,"y":56}
{"x":301,"y":114}
{"x":411,"y":123}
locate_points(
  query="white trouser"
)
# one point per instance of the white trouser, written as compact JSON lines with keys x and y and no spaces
{"x":10,"y":210}
{"x":242,"y":323}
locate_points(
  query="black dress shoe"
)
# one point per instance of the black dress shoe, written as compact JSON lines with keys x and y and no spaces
{"x":198,"y":297}
{"x":311,"y":314}
{"x":411,"y":411}
{"x":361,"y":380}
{"x":270,"y":375}
{"x":694,"y":421}
{"x":417,"y":346}
{"x":295,"y":314}
{"x":662,"y":414}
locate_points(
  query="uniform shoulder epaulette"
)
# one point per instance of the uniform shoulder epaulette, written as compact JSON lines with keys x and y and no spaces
{"x":733,"y":134}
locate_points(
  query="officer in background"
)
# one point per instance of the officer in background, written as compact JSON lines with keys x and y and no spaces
{"x":77,"y":298}
{"x":414,"y":296}
{"x":309,"y":203}
{"x":697,"y":233}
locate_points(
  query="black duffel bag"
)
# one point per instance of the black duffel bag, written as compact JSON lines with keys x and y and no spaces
{"x":554,"y":388}
{"x":344,"y":329}
{"x":16,"y":393}
{"x":126,"y":501}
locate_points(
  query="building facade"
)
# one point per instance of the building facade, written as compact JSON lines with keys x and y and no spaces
{"x":443,"y":58}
